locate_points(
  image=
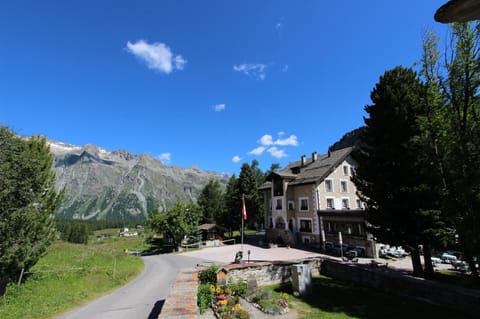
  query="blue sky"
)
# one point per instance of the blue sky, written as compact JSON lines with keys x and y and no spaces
{"x":206,"y":83}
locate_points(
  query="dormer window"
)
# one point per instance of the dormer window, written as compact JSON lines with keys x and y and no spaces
{"x":296,"y":170}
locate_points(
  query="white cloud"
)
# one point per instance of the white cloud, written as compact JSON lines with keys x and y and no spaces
{"x":289,"y":141}
{"x":277,"y":153}
{"x":285,"y":68}
{"x":157,"y":56}
{"x":219,"y":107}
{"x":179,"y":62}
{"x":275,"y":147}
{"x":267,"y":140}
{"x":236,"y":159}
{"x":250,"y":69}
{"x":258,"y":151}
{"x":165,"y":158}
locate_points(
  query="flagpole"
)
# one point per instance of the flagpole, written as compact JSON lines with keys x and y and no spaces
{"x":242,"y":217}
{"x":242,"y":235}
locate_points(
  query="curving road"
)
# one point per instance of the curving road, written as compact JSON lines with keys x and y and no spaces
{"x":143,"y":297}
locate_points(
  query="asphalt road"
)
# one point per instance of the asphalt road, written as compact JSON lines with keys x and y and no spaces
{"x":143,"y":297}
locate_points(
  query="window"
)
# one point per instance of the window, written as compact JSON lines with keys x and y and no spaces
{"x":279,"y":204}
{"x":328,"y":185}
{"x":330,"y":204}
{"x":359,"y":204}
{"x":343,"y":186}
{"x":345,"y":204}
{"x":277,"y":187}
{"x":329,"y":227}
{"x":279,"y":224}
{"x":358,"y":230}
{"x":305,"y":225}
{"x":304,"y":203}
{"x":291,"y":205}
{"x":346,"y":170}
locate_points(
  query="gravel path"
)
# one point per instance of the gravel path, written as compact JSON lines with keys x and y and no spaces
{"x":226,"y":254}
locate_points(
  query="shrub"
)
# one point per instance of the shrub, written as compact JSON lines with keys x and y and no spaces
{"x":209,"y":275}
{"x":239,"y":288}
{"x":242,"y":314}
{"x":205,"y":296}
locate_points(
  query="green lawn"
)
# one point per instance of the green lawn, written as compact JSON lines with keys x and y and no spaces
{"x":333,"y":299}
{"x":70,"y":275}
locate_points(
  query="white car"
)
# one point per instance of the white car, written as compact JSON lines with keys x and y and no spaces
{"x":448,"y":258}
{"x":436,"y":261}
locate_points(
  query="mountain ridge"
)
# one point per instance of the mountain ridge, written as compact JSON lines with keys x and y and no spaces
{"x":101,"y":184}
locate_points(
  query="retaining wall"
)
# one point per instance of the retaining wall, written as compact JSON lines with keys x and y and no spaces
{"x":265,"y":273}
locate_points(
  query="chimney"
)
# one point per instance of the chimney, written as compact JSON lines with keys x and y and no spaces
{"x":303,"y":159}
{"x":314,"y":156}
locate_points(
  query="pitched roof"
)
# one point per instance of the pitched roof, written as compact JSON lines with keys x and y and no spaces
{"x":311,"y":171}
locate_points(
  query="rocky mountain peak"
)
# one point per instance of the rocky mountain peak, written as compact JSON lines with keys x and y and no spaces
{"x":120,"y":185}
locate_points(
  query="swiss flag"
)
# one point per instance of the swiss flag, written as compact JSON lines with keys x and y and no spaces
{"x":244,"y":210}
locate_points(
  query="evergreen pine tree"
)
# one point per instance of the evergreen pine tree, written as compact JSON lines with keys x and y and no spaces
{"x":28,"y":202}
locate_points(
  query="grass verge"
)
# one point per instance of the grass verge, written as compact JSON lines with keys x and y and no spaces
{"x":333,"y":299}
{"x":70,"y":275}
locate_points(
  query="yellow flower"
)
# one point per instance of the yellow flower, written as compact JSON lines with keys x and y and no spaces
{"x":212,"y":288}
{"x":219,"y":290}
{"x":222,"y":302}
{"x":237,"y":307}
{"x":285,"y":296}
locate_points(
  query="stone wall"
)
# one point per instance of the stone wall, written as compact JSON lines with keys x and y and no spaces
{"x":265,"y":273}
{"x":461,"y":299}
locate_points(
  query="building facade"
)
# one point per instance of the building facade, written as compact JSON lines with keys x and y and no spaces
{"x":315,"y":203}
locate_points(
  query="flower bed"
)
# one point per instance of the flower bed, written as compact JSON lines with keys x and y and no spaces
{"x":225,"y":300}
{"x":270,"y":303}
{"x":226,"y":303}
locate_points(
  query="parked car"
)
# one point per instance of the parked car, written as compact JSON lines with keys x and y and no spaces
{"x":448,"y":258}
{"x":459,"y":265}
{"x":329,"y":247}
{"x":436,"y":261}
{"x":392,"y":252}
{"x":337,"y":250}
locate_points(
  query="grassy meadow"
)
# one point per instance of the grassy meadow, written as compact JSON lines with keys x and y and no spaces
{"x":334,"y":299}
{"x":70,"y":275}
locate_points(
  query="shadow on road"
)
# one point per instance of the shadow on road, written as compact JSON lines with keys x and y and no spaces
{"x":157,"y":308}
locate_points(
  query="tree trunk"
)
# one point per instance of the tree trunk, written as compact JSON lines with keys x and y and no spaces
{"x":427,"y":255}
{"x":416,"y":263}
{"x":3,"y":285}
